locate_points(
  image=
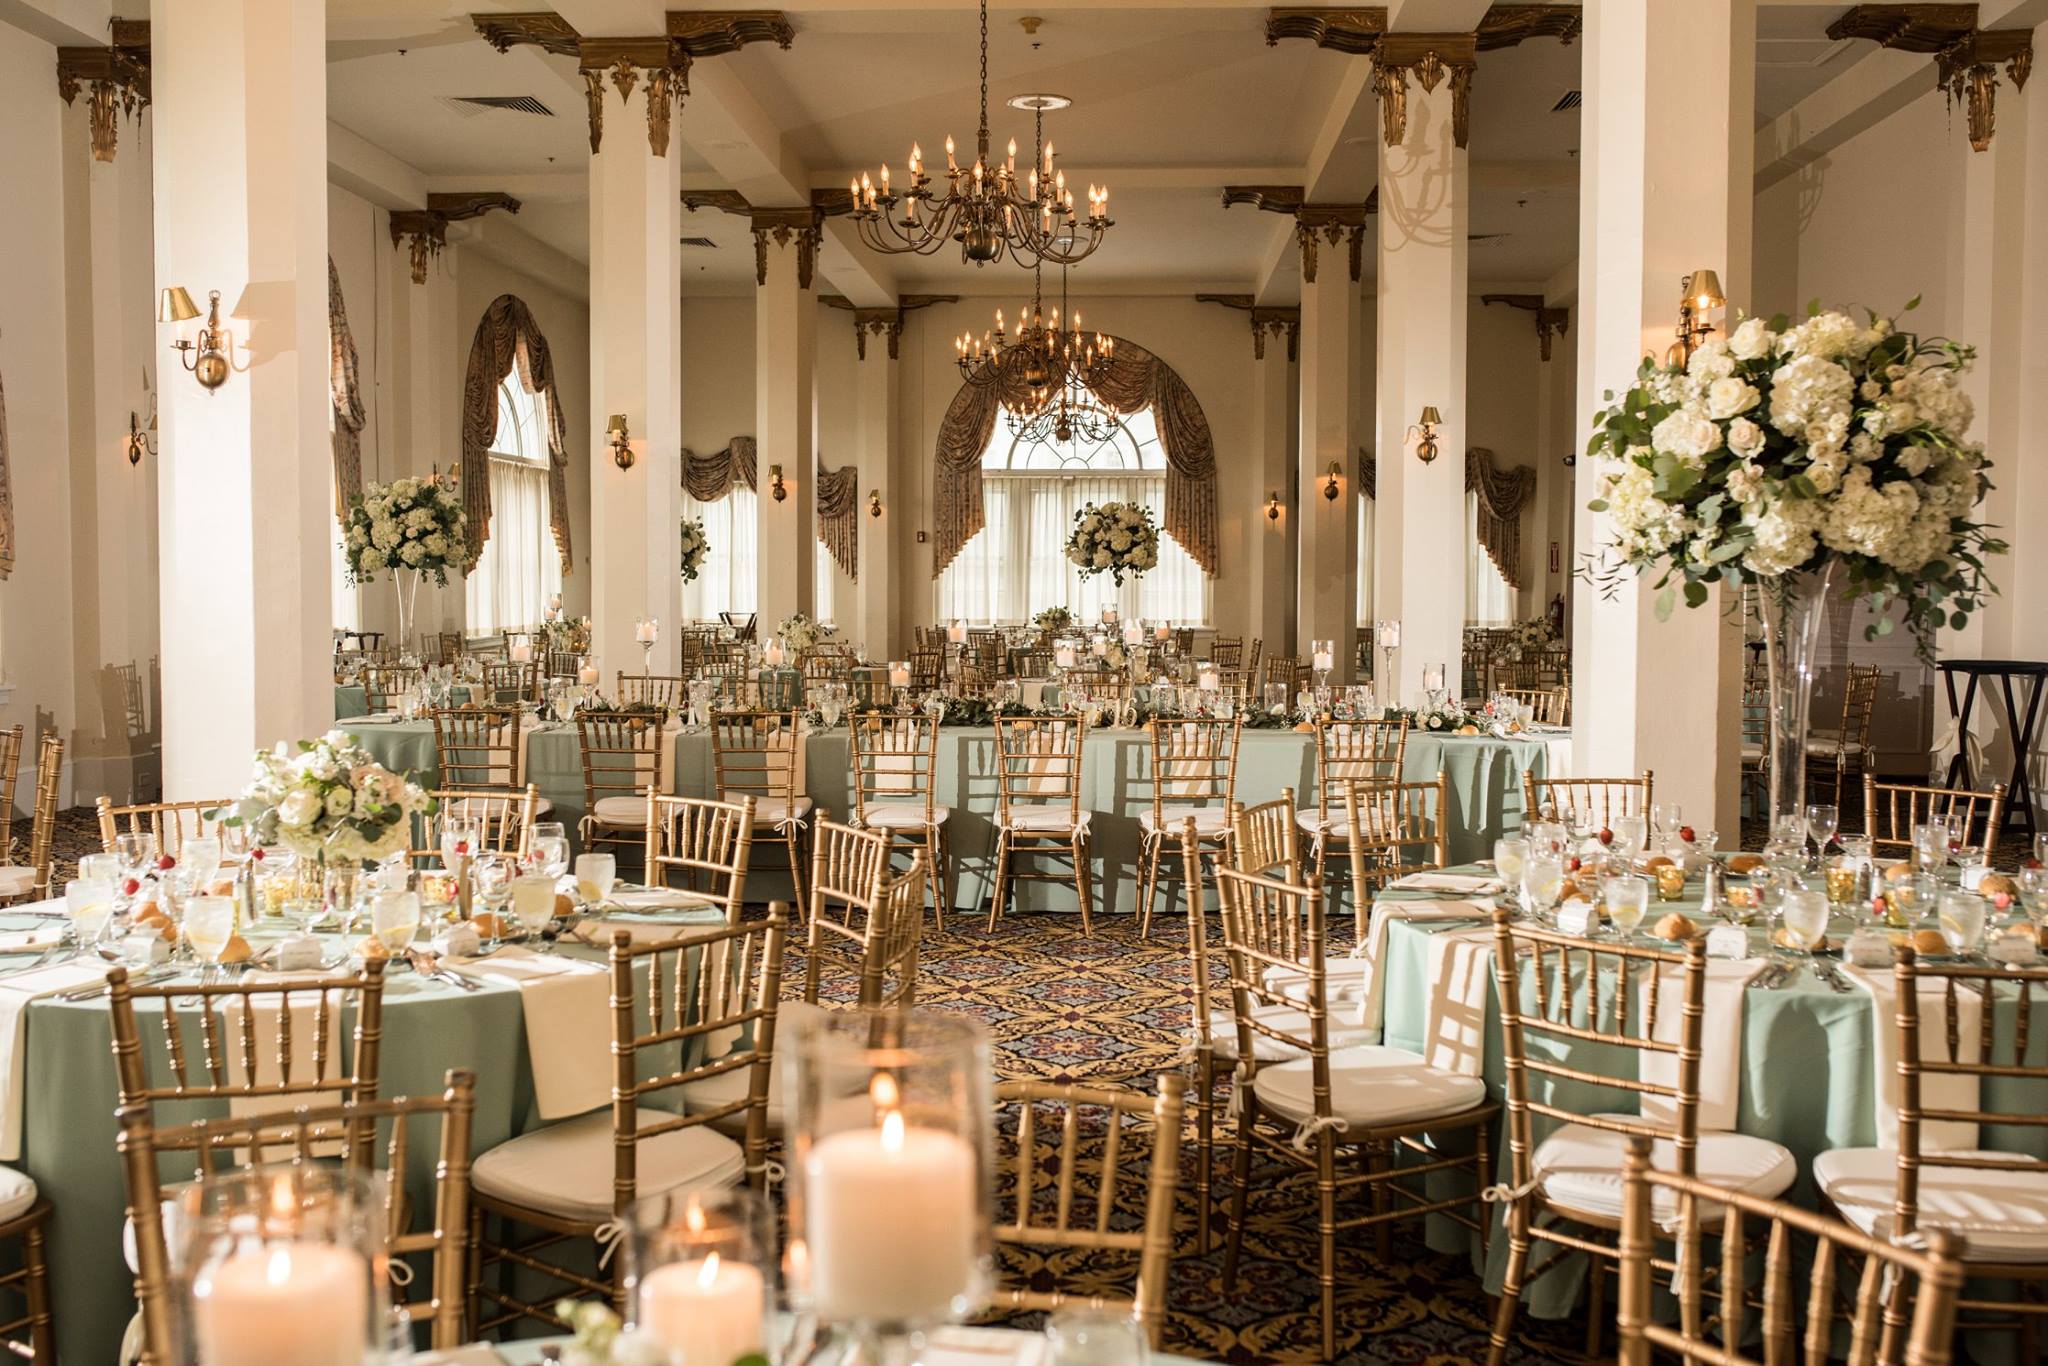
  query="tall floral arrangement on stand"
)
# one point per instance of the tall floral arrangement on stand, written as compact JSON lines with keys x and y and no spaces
{"x":694,"y":545}
{"x":1801,"y":461}
{"x":799,"y":633}
{"x":1114,"y":538}
{"x":412,"y":527}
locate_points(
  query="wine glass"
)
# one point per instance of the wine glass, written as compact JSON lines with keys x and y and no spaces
{"x":395,"y":919}
{"x":134,"y":852}
{"x":461,"y":838}
{"x":1805,"y":914}
{"x":533,"y":902}
{"x":550,"y":846}
{"x":1956,"y":822}
{"x":491,"y":877}
{"x":1628,"y":901}
{"x":1930,"y":846}
{"x":209,"y":923}
{"x":1822,"y":821}
{"x":1961,"y":918}
{"x":2033,"y":884}
{"x":595,"y":876}
{"x":1665,"y":819}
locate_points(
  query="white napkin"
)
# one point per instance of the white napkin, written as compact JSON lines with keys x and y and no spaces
{"x":642,"y":900}
{"x":1031,"y":692}
{"x":1465,"y":884}
{"x":22,"y":941}
{"x":1938,"y":1091}
{"x":15,"y":994}
{"x":957,"y":1345}
{"x":1460,"y":981}
{"x":567,"y":1006}
{"x":1720,"y":1042}
{"x":1372,"y":998}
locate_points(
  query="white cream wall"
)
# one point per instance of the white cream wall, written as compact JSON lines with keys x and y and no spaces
{"x":1503,"y":372}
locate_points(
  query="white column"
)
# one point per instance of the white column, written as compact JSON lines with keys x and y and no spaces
{"x":428,"y":416}
{"x":1419,"y":509}
{"x":1665,"y":187}
{"x":240,"y":155}
{"x":636,"y":331}
{"x":785,"y":351}
{"x":1326,"y":530}
{"x":875,"y":438}
{"x":1270,"y":557}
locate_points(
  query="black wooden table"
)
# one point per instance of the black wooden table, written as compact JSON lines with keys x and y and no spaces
{"x":2019,"y":794}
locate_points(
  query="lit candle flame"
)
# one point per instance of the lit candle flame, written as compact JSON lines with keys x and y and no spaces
{"x":707,"y":1275}
{"x":892,"y":1132}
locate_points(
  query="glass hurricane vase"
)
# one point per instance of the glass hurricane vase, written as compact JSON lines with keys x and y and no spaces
{"x":1793,"y":608}
{"x":407,"y":582}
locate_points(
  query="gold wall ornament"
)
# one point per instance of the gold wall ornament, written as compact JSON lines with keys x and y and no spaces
{"x":619,"y":438}
{"x":424,"y":232}
{"x":784,"y":227}
{"x":1353,"y":29}
{"x":1265,"y":321}
{"x":593,"y":101}
{"x":208,"y":355}
{"x":1334,"y":225}
{"x":543,"y":29}
{"x":1431,"y":57}
{"x":1512,"y":25}
{"x":115,"y":79}
{"x":1550,"y":322}
{"x":1966,"y":58}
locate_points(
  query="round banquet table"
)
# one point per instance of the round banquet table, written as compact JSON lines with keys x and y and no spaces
{"x":1484,"y":773}
{"x":1807,"y":1073}
{"x":951,"y":1347}
{"x":69,"y":1095}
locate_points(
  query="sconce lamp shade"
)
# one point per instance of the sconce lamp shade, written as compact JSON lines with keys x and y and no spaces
{"x":1431,"y":417}
{"x":175,"y":306}
{"x":616,"y":425}
{"x":1703,"y":287}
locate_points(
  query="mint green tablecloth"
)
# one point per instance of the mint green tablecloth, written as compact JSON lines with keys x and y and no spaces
{"x":350,"y":700}
{"x":70,"y":1095}
{"x":1807,"y":1074}
{"x":1485,"y":784}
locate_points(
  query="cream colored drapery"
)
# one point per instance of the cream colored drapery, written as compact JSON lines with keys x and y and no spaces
{"x":839,"y":516}
{"x":1502,"y":496}
{"x":708,"y":478}
{"x":1133,"y":379}
{"x":6,"y":496}
{"x":508,"y":336}
{"x":346,"y":391}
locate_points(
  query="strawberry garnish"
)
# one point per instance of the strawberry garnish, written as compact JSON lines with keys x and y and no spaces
{"x":1685,"y":833}
{"x":1606,"y":835}
{"x":165,"y":863}
{"x":461,"y":847}
{"x":130,"y":887}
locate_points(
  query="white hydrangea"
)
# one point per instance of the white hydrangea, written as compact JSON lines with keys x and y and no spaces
{"x":1687,"y":434}
{"x":1786,"y":534}
{"x":1808,"y":390}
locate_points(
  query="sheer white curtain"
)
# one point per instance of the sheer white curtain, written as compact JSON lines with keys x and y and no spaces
{"x":520,"y":570}
{"x":725,"y":581}
{"x":348,"y":612}
{"x":824,"y":579}
{"x":1488,"y":599}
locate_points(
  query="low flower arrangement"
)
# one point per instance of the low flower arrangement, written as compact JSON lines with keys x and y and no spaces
{"x":693,"y":547}
{"x":413,"y":524}
{"x":1114,"y":538}
{"x":329,"y":800}
{"x":1053,"y":620}
{"x":799,"y":633}
{"x":568,"y":635}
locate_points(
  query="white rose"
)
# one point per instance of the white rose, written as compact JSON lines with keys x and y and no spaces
{"x":1745,"y":438}
{"x":1750,"y":340}
{"x":300,"y":806}
{"x":1728,"y":397}
{"x":339,"y":801}
{"x":1687,"y":434}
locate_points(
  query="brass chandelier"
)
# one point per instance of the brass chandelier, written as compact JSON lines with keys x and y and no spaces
{"x":1034,"y":365}
{"x":988,"y":209}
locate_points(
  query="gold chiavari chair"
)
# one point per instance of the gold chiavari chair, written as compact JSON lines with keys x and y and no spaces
{"x":895,"y":770}
{"x":507,"y":681}
{"x":652,"y":690}
{"x":1294,"y":674}
{"x":383,"y":684}
{"x":822,"y":666}
{"x":1930,"y":1279}
{"x":621,"y":753}
{"x":927,"y":668}
{"x":574,"y":1180}
{"x":1613,"y":1000}
{"x":24,"y":1227}
{"x":441,"y":647}
{"x":1253,"y":658}
{"x":1833,"y":752}
{"x":1512,"y":675}
{"x":742,"y":624}
{"x":1299,"y":1101}
{"x":869,"y":686}
{"x":1266,"y":839}
{"x":849,"y":868}
{"x":1092,"y":1185}
{"x":1227,"y":652}
{"x":700,"y":846}
{"x":1345,"y":751}
{"x":1194,"y":778}
{"x":480,"y":747}
{"x":1038,"y":806}
{"x":506,"y":816}
{"x":10,"y":771}
{"x":562,"y":664}
{"x":1393,"y":829}
{"x":170,"y":824}
{"x":32,"y":881}
{"x":1032,"y":662}
{"x":1576,"y":800}
{"x":1891,"y":810}
{"x":759,"y":754}
{"x":1756,"y":744}
{"x":1956,"y":1070}
{"x":1547,"y":706}
{"x":299,"y":1137}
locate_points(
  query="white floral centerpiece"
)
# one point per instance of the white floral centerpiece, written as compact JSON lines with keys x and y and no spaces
{"x":1114,"y":538}
{"x":799,"y":633}
{"x":694,"y":545}
{"x":1053,"y":620}
{"x":1534,"y":634}
{"x":1446,"y":717}
{"x":329,"y":801}
{"x":412,"y":527}
{"x":1794,"y":459}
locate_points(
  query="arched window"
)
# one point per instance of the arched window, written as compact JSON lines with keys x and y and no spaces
{"x":1031,"y":488}
{"x":725,"y":582}
{"x":520,"y":570}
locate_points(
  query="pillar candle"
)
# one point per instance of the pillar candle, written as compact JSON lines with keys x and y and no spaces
{"x":899,"y":675}
{"x":587,"y":675}
{"x":1100,"y":646}
{"x":1322,"y":660}
{"x":706,"y":1312}
{"x":956,"y":634}
{"x":306,"y":1303}
{"x":1207,"y":679}
{"x":1133,"y":633}
{"x":1161,"y":630}
{"x":521,"y":652}
{"x":1063,"y":655}
{"x":646,"y":631}
{"x":890,"y":1222}
{"x":772,"y":654}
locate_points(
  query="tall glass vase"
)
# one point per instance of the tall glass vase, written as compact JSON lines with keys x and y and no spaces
{"x":407,"y":582}
{"x":1793,"y":609}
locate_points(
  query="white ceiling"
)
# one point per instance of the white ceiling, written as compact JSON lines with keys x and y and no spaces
{"x":1170,"y":104}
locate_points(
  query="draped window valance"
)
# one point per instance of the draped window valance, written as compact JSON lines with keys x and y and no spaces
{"x":839,"y":516}
{"x":508,"y":337}
{"x":708,"y":478}
{"x":1133,"y":379}
{"x":346,"y":395}
{"x":1503,"y":493}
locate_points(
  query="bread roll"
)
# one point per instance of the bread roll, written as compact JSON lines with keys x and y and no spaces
{"x":1745,"y":863}
{"x":1675,"y":926}
{"x":1929,"y":941}
{"x":1997,"y":884}
{"x":373,"y":950}
{"x":237,"y":951}
{"x":564,"y":904}
{"x":1656,"y":861}
{"x":490,"y":925}
{"x":153,"y":916}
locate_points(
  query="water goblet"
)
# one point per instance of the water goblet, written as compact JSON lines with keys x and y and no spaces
{"x":1628,"y":901}
{"x":1961,"y":919}
{"x":208,"y":923}
{"x":1628,"y":837}
{"x":200,"y":856}
{"x":1081,"y":1336}
{"x":1805,"y":915}
{"x":395,"y":919}
{"x":1822,"y":821}
{"x":1930,"y":846}
{"x":550,"y":848}
{"x":596,"y":874}
{"x":88,"y":904}
{"x":1542,"y":881}
{"x":1509,"y":854}
{"x":533,"y":902}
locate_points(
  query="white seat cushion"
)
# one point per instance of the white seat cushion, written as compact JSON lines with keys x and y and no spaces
{"x":1043,"y":819}
{"x":17,"y":881}
{"x":1223,"y":1034}
{"x":2003,"y":1214}
{"x":1580,"y":1168}
{"x":777,"y":810}
{"x":903,"y":815}
{"x":1370,"y":1085}
{"x":1343,"y":982}
{"x":566,"y":1169}
{"x":1209,"y":820}
{"x":1338,"y":827}
{"x":1831,"y":745}
{"x":726,"y":1087}
{"x":621,"y":810}
{"x":17,"y":1194}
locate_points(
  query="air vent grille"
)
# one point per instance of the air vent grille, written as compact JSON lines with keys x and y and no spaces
{"x":1570,"y":99}
{"x":469,"y":106}
{"x":700,"y":243}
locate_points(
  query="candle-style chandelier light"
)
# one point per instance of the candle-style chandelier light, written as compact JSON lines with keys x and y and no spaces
{"x":989,"y":209}
{"x":1046,"y":371}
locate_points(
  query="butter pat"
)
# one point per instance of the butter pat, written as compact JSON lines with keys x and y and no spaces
{"x":2018,"y":947}
{"x":145,"y":948}
{"x":1577,"y":917}
{"x":1728,"y":941}
{"x":298,"y":953}
{"x":1868,"y":948}
{"x":460,"y":941}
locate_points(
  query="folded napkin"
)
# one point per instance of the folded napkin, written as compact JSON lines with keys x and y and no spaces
{"x":650,"y":899}
{"x":1466,"y":884}
{"x":15,"y":994}
{"x":963,"y":1346}
{"x":1720,"y":1042}
{"x":1372,"y":996}
{"x":1938,"y":1091}
{"x":24,"y":941}
{"x":566,"y":1003}
{"x":1460,"y":982}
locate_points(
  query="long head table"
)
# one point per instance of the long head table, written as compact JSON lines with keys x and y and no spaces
{"x":1485,"y":776}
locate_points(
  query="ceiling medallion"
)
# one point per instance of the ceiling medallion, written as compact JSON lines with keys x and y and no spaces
{"x":989,"y":209}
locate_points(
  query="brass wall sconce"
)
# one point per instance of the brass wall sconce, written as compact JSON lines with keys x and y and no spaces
{"x":1700,"y":292}
{"x":1424,"y":432}
{"x":620,"y":440}
{"x":874,"y":502}
{"x":206,"y":356}
{"x":776,"y":488}
{"x":141,"y":441}
{"x":1272,"y":505}
{"x":1331,"y":487}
